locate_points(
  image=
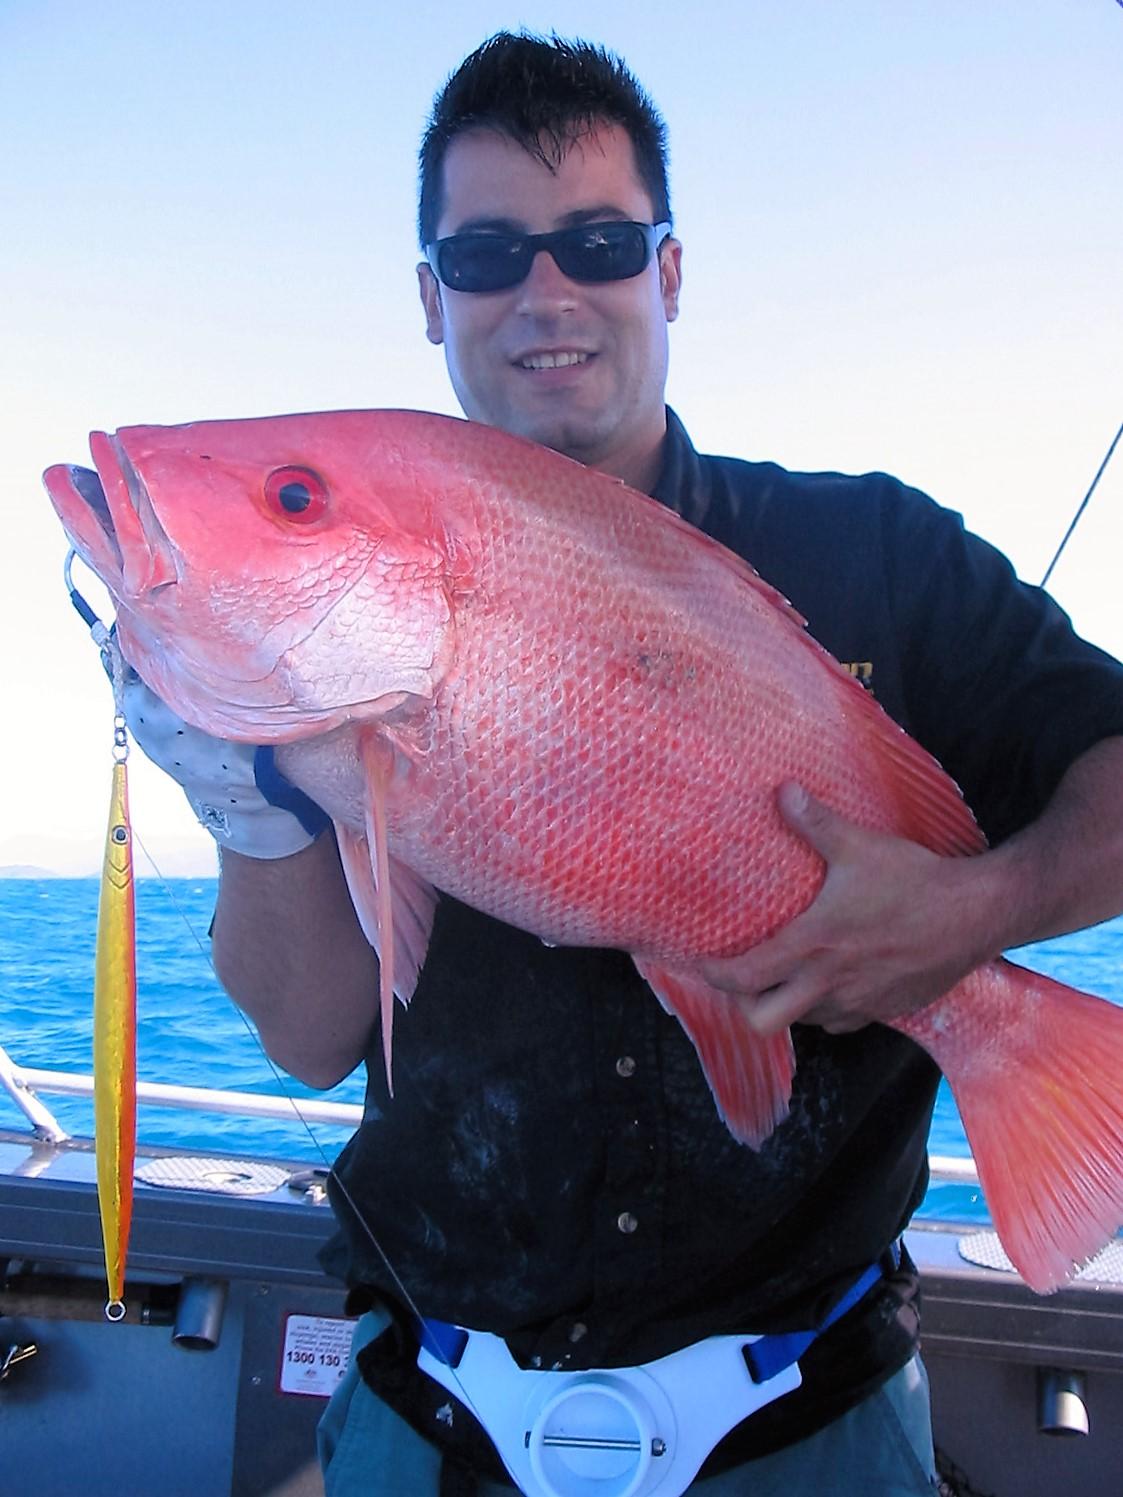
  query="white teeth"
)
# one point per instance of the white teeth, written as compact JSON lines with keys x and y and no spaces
{"x":553,"y":360}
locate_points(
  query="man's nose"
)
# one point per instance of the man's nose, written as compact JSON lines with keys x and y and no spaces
{"x":547,"y":288}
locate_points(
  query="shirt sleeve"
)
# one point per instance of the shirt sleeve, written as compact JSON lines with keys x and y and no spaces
{"x":1000,"y":687}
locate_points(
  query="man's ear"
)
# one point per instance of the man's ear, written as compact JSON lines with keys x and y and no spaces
{"x":670,"y":276}
{"x":430,"y":289}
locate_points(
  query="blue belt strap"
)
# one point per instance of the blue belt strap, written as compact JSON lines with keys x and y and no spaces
{"x":771,"y":1354}
{"x":446,"y":1342}
{"x":764,"y":1357}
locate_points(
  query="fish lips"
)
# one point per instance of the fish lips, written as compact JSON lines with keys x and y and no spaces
{"x":110,"y":520}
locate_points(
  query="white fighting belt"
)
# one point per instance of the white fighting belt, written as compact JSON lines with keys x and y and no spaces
{"x":608,"y":1432}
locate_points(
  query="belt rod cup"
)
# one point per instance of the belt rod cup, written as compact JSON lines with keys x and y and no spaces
{"x":607,"y":1432}
{"x":596,"y":1434}
{"x":623,"y":1431}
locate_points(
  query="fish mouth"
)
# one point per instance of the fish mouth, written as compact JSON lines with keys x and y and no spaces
{"x":111,"y":522}
{"x":87,"y":484}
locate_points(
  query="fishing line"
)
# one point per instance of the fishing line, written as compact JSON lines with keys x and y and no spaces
{"x":115,"y":664}
{"x":280,"y":1079}
{"x":1084,"y":502}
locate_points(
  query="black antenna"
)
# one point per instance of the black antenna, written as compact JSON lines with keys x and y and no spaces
{"x":1084,"y":502}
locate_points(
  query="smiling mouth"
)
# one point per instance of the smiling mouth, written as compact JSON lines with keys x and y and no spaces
{"x":562,"y":360}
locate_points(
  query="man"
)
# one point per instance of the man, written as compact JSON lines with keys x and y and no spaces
{"x":551,"y":1167}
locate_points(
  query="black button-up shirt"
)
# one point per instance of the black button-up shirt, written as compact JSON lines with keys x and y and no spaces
{"x":552,"y":1166}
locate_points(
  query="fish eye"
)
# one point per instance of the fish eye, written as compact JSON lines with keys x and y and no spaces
{"x":296,"y":494}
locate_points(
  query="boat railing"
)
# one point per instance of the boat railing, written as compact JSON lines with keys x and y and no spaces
{"x":24,"y":1084}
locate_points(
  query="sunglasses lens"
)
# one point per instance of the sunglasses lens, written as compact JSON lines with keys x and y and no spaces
{"x":602,"y":252}
{"x":481,"y":262}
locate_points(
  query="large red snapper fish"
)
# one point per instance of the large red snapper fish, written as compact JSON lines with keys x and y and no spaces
{"x":513,"y":678}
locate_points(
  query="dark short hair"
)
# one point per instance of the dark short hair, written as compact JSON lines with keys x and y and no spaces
{"x":544,"y":93}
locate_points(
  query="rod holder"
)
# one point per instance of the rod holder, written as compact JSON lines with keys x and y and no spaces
{"x":1061,"y":1402}
{"x":198,"y":1316}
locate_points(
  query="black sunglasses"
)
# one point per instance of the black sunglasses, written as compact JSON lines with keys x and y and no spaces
{"x":613,"y":251}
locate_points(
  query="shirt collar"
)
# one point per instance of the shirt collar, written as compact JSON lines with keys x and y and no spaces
{"x":682,"y":484}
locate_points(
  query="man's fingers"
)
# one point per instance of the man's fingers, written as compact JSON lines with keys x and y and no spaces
{"x":799,"y":1002}
{"x":773,"y":1011}
{"x":810,"y":819}
{"x":766,"y":965}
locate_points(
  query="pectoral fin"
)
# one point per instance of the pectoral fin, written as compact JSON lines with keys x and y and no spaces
{"x":394,"y":905}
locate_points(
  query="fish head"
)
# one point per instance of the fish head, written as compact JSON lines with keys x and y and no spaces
{"x":272,"y":576}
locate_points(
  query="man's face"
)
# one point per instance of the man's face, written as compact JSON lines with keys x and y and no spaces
{"x":578,"y":367}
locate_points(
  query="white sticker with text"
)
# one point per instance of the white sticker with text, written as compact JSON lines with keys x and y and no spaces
{"x":315,"y":1353}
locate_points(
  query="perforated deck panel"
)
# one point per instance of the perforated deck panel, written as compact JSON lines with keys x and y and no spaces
{"x":984,"y":1249}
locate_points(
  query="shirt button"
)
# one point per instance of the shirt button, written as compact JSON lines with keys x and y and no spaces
{"x":578,"y":1331}
{"x":625,"y":1066}
{"x":626,"y":1222}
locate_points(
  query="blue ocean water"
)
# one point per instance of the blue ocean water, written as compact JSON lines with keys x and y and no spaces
{"x":189,"y":1032}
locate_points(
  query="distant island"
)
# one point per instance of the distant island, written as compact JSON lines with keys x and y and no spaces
{"x":32,"y":858}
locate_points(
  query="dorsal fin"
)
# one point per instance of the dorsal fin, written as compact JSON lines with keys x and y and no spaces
{"x":929,"y":805}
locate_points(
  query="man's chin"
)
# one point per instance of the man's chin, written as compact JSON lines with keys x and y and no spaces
{"x":581,"y":438}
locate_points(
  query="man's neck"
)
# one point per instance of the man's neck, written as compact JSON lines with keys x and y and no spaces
{"x":640,"y":465}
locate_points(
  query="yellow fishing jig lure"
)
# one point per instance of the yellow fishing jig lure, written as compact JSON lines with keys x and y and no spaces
{"x":115,"y":1035}
{"x":114,"y":990}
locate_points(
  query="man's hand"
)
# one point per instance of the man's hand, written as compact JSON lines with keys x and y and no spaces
{"x":892,"y":928}
{"x":234,"y":789}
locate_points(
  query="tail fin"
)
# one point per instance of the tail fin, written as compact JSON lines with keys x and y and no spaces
{"x":1036,"y":1069}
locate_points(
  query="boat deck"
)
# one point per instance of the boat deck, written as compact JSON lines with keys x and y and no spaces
{"x":213,"y":1383}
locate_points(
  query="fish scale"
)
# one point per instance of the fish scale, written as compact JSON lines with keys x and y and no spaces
{"x":666,"y":884}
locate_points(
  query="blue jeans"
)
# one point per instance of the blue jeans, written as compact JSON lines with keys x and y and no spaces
{"x":882,"y":1448}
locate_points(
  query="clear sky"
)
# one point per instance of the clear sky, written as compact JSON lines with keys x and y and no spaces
{"x":903,"y":231}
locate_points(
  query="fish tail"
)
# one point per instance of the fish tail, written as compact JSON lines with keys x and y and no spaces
{"x":1039,"y":1087}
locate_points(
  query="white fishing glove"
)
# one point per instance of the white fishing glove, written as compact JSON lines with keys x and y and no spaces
{"x":235,"y":789}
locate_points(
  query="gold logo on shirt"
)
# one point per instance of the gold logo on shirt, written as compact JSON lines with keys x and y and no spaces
{"x":861,"y":670}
